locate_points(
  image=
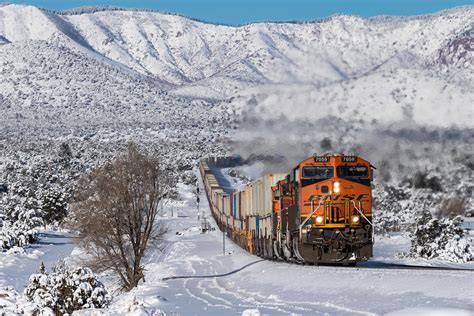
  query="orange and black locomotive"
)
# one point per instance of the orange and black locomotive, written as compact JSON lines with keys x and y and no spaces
{"x":321,"y":212}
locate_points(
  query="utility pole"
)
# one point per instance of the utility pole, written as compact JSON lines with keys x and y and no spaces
{"x":197,"y":200}
{"x":223,"y":232}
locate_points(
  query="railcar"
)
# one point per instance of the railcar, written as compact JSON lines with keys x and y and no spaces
{"x":320,"y":212}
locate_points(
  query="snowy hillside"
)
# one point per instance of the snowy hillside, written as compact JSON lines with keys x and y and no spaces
{"x":389,"y":71}
{"x":215,"y":60}
{"x":80,"y":98}
{"x":394,"y":79}
{"x":397,"y":90}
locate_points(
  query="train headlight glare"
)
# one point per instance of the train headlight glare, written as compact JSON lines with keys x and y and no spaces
{"x":319,"y":219}
{"x":355,"y":219}
{"x":336,"y":187}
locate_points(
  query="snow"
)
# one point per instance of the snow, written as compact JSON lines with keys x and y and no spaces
{"x":274,"y":288}
{"x":431,"y":312}
{"x":17,"y":266}
{"x":192,"y":57}
{"x":265,"y":287}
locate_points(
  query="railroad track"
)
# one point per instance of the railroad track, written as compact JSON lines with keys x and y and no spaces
{"x":384,"y":265}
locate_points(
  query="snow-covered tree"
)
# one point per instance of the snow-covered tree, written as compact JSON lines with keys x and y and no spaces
{"x":64,"y":290}
{"x":388,"y":211}
{"x":441,"y":239}
{"x":54,"y":205}
{"x":22,"y":216}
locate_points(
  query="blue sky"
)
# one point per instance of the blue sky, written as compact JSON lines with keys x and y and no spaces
{"x":244,"y":11}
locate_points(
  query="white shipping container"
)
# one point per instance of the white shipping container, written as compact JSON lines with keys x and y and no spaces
{"x":269,"y":180}
{"x":255,"y":198}
{"x":226,"y":201}
{"x":261,"y":192}
{"x":248,"y":200}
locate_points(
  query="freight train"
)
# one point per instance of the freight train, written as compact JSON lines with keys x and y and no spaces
{"x":319,"y":213}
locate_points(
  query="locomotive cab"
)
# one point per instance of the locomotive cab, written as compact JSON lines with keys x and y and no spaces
{"x":335,"y":191}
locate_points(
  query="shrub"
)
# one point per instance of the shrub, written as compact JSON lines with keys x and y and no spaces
{"x":54,"y":206}
{"x":423,"y":180}
{"x":442,"y":239}
{"x":388,"y":211}
{"x":64,"y":291}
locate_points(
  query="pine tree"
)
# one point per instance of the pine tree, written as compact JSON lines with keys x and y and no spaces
{"x":65,"y":291}
{"x":54,"y":206}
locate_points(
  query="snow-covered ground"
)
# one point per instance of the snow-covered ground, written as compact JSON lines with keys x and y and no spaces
{"x":275,"y":288}
{"x":17,"y":264}
{"x":217,"y":286}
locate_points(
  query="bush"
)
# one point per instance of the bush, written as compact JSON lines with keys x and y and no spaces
{"x":441,"y":239}
{"x":388,"y":211}
{"x":54,"y":206}
{"x":423,"y":180}
{"x":64,"y":291}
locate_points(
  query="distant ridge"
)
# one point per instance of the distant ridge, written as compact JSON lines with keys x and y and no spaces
{"x":102,"y":8}
{"x":278,"y":65}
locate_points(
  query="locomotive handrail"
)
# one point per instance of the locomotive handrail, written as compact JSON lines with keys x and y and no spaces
{"x":360,"y":212}
{"x":308,"y":217}
{"x":371,"y":224}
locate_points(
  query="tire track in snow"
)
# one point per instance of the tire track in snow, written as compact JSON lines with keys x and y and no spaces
{"x":208,"y":303}
{"x":204,"y":291}
{"x":204,"y":296}
{"x":252,"y":302}
{"x":297,"y":304}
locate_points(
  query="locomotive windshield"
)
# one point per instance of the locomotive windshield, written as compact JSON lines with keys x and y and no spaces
{"x":318,"y":172}
{"x":352,"y":172}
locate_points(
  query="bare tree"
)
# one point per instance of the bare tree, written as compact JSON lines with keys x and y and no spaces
{"x":115,"y":213}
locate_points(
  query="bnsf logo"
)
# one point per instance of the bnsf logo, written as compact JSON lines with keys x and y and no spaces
{"x":332,"y":198}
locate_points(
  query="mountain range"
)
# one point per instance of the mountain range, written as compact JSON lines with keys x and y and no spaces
{"x":363,"y":73}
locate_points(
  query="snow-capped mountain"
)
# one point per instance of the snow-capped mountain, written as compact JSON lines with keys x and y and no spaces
{"x":215,"y":60}
{"x":359,"y":74}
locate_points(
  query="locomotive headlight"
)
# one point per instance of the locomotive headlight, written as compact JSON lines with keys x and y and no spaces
{"x":355,"y":219}
{"x":319,"y":219}
{"x":336,"y":187}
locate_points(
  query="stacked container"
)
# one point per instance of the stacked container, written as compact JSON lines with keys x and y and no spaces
{"x":247,"y":213}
